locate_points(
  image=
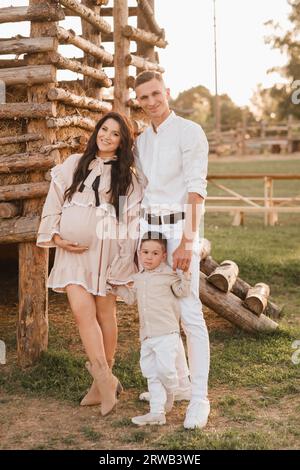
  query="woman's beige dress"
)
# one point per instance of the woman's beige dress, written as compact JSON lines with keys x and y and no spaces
{"x":111,"y":243}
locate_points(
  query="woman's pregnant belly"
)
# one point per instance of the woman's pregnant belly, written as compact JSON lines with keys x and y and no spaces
{"x":78,"y":224}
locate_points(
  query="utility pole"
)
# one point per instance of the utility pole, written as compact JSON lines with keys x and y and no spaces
{"x":217,"y":100}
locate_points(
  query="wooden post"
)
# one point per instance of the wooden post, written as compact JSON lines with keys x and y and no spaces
{"x":91,"y":86}
{"x":270,"y":217}
{"x":32,"y":330}
{"x":145,"y":50}
{"x":122,"y":49}
{"x":290,"y":134}
{"x":263,"y":136}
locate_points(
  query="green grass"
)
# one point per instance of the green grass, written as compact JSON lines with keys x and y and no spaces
{"x":227,"y":440}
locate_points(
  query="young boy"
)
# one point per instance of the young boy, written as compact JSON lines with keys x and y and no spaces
{"x":157,"y":289}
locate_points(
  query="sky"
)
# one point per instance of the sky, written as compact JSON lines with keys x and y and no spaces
{"x":243,"y":57}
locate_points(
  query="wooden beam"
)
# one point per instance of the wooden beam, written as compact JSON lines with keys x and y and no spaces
{"x":130,"y":82}
{"x":136,"y":34}
{"x":149,"y":16}
{"x":122,"y":49}
{"x":16,"y":139}
{"x":240,"y":287}
{"x":59,"y":94}
{"x":23,"y":162}
{"x":23,"y":191}
{"x":133,"y":104}
{"x":76,"y":66}
{"x":132,"y":11}
{"x":77,"y":121}
{"x":26,"y":110}
{"x":71,"y":143}
{"x":8,"y":210}
{"x":42,"y":12}
{"x":28,"y":75}
{"x":22,"y":45}
{"x":143,"y":49}
{"x":142,"y":63}
{"x":88,"y":15}
{"x":107,"y":37}
{"x":19,"y":229}
{"x":69,"y":37}
{"x":229,"y":306}
{"x":11,"y":63}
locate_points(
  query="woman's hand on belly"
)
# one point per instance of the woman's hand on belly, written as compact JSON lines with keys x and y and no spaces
{"x":67,"y":245}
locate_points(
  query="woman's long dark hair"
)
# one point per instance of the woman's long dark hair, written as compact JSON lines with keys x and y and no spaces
{"x":121,"y":169}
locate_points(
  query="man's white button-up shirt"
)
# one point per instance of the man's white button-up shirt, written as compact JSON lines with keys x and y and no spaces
{"x":172,"y":162}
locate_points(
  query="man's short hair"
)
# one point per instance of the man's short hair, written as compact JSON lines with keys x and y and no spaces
{"x":146,"y":76}
{"x":156,"y":236}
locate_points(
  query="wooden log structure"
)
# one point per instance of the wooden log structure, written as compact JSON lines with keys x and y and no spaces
{"x":22,"y":45}
{"x":69,"y":37}
{"x":149,"y":16}
{"x":130,"y":82}
{"x":8,"y":210}
{"x":143,"y":49}
{"x":13,"y":192}
{"x":71,"y":143}
{"x":122,"y":49}
{"x":88,"y":15}
{"x":240,"y":287}
{"x":90,"y":33}
{"x":107,"y":37}
{"x":136,"y":34}
{"x":105,"y":12}
{"x":28,"y":75}
{"x":27,"y":110}
{"x":24,"y":162}
{"x":257,"y":298}
{"x":229,"y":306}
{"x":76,"y":66}
{"x":143,"y":64}
{"x":77,"y":121}
{"x":133,"y":104}
{"x":40,"y":12}
{"x":224,"y":276}
{"x":32,"y":329}
{"x":19,"y":229}
{"x":16,"y":139}
{"x":59,"y":94}
{"x":12,"y":63}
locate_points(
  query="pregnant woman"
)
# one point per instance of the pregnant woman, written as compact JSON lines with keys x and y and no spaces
{"x":91,"y":217}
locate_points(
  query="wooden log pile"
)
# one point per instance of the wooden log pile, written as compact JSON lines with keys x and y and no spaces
{"x":220,"y":290}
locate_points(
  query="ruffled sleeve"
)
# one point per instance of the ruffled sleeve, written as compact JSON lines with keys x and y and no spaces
{"x":123,"y":266}
{"x":61,"y":179}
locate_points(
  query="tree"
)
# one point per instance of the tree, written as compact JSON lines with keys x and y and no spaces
{"x":278,"y":99}
{"x":197,"y":104}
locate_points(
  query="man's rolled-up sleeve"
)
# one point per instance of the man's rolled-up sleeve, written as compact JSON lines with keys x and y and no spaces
{"x":195,"y":159}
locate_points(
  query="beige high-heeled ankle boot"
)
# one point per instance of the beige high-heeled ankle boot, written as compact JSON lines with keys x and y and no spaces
{"x":93,"y":396}
{"x":106,"y":383}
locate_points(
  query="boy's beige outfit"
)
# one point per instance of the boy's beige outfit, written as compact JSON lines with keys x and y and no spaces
{"x":157,"y":293}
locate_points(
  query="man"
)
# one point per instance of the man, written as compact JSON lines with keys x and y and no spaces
{"x":171,"y":158}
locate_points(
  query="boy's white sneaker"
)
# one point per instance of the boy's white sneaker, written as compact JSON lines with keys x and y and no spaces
{"x":149,"y":418}
{"x":179,"y":395}
{"x":197,"y":414}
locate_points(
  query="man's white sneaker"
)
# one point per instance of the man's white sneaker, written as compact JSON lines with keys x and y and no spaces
{"x":149,"y":418}
{"x":197,"y":414}
{"x":179,"y":395}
